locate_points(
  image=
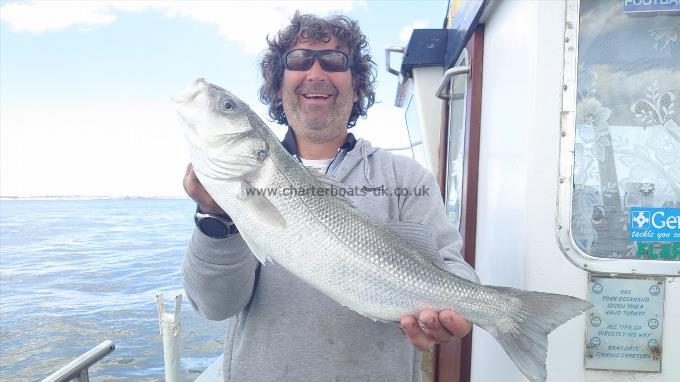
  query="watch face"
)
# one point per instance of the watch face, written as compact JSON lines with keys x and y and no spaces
{"x":213,"y":227}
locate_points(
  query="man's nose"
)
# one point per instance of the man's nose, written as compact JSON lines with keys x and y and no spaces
{"x":316,"y":72}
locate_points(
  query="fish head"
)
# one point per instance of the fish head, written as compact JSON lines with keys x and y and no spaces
{"x":210,"y":114}
{"x":224,"y":143}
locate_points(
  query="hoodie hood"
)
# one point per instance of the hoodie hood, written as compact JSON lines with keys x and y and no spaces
{"x":357,"y":156}
{"x":352,"y":153}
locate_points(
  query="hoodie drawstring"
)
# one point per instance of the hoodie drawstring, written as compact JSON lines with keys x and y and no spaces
{"x":367,"y":170}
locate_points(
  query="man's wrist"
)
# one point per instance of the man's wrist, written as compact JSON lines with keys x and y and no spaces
{"x":212,"y":211}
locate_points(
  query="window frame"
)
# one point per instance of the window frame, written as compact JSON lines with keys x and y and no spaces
{"x":463,"y":60}
{"x":565,"y":240}
{"x":452,"y":361}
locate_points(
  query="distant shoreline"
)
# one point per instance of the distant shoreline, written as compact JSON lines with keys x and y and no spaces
{"x":86,"y":197}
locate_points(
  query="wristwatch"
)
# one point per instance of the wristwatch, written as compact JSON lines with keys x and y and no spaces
{"x":215,"y":226}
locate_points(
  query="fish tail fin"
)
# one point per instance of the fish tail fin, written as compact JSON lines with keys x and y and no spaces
{"x":524,"y":336}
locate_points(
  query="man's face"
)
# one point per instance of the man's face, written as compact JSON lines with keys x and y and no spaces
{"x":318,"y":103}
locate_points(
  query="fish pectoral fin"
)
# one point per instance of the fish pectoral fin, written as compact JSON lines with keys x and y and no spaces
{"x":257,"y":203}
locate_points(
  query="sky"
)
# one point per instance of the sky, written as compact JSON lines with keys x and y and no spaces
{"x":85,"y":87}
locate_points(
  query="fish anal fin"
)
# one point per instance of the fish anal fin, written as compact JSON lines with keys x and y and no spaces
{"x":367,"y":315}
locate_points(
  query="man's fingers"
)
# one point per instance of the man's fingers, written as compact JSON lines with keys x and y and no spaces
{"x":190,"y":182}
{"x":431,"y":327}
{"x":197,"y":192}
{"x":454,"y":323}
{"x":417,"y":336}
{"x":430,"y":321}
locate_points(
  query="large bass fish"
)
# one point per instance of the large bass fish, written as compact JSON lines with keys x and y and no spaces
{"x":322,"y":239}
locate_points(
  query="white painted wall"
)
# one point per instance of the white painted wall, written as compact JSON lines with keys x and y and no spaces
{"x":425,"y":81}
{"x":503,"y":170}
{"x":516,"y":239}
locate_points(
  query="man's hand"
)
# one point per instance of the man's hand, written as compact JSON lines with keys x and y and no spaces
{"x":197,"y":192}
{"x":430,"y":328}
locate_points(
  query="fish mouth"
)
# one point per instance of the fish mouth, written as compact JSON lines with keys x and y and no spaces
{"x":188,"y":94}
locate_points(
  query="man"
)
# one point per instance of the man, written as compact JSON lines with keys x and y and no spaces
{"x":318,"y":81}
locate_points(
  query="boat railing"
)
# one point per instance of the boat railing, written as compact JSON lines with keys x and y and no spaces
{"x":78,"y":368}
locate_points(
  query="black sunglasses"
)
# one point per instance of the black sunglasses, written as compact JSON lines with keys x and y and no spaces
{"x":303,"y":59}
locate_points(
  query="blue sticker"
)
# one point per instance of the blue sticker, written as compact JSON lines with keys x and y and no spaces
{"x":642,"y":6}
{"x":654,"y":224}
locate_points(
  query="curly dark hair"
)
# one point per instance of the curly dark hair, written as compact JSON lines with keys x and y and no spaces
{"x":306,"y":28}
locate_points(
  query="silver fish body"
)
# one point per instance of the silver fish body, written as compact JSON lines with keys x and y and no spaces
{"x":323,"y":240}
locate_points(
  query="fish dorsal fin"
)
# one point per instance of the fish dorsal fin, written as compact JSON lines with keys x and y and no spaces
{"x":420,"y":238}
{"x":332,"y":185}
{"x":258,"y":204}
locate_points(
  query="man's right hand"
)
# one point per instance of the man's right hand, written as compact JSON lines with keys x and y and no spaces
{"x":197,"y":192}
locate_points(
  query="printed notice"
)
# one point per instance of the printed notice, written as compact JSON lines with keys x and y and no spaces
{"x":624,"y":327}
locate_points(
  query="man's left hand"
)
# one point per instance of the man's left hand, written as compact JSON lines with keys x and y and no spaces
{"x":431,"y":328}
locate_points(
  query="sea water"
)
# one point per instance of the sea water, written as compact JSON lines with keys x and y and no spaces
{"x":74,"y":273}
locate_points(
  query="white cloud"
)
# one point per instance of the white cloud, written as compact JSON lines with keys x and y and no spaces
{"x":39,"y":17}
{"x":243,"y":22}
{"x":406,"y":31}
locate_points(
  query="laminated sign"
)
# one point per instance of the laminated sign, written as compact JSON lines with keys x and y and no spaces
{"x":624,"y":327}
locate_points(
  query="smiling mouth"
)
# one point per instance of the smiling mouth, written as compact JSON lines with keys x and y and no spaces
{"x":316,"y":96}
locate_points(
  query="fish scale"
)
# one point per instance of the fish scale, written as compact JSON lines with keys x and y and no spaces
{"x":347,"y":255}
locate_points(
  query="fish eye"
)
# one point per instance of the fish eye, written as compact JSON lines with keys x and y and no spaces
{"x":228,"y":106}
{"x":261,"y":154}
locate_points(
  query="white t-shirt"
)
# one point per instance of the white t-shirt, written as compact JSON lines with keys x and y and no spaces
{"x":321,"y":165}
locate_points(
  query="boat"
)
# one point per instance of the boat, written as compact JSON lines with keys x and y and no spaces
{"x":553,"y":130}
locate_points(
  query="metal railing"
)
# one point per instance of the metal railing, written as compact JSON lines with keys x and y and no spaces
{"x":392,"y":49}
{"x":442,"y":90}
{"x":398,"y":148}
{"x":78,"y":368}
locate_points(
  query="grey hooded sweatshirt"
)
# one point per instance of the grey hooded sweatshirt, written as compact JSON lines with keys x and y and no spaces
{"x":285,"y":330}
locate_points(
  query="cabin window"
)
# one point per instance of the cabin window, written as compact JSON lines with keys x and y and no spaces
{"x":456,"y":142}
{"x":623,"y":133}
{"x":415,"y":133}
